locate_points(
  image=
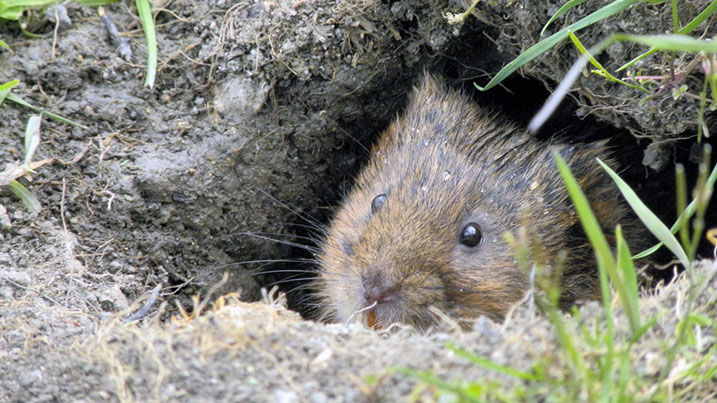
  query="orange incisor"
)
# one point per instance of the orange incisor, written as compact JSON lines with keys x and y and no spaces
{"x":371,"y":319}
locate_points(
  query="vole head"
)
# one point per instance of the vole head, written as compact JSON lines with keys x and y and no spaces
{"x":423,"y":227}
{"x":425,"y":237}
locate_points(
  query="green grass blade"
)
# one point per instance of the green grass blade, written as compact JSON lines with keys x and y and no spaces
{"x":653,"y":224}
{"x":4,"y":46}
{"x":11,"y":13}
{"x":27,"y":198}
{"x":145,"y":15}
{"x":601,"y":70}
{"x":5,"y":89}
{"x":587,"y":218}
{"x":488,"y":364}
{"x":6,"y":94}
{"x":635,"y":60}
{"x":675,"y":18}
{"x":686,"y":215}
{"x":701,"y":17}
{"x":547,"y":43}
{"x":649,"y":251}
{"x":594,"y":232}
{"x":13,"y":10}
{"x":608,"y":338}
{"x":567,"y":6}
{"x":629,"y":281}
{"x":18,"y":100}
{"x":30,"y":3}
{"x":706,"y":13}
{"x":583,"y":51}
{"x":681,"y":185}
{"x":671,"y":42}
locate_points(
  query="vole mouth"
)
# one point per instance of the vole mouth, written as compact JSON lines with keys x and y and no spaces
{"x":369,"y":315}
{"x":371,"y":320}
{"x":377,"y":319}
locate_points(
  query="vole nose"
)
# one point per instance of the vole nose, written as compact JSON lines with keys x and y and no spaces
{"x":377,"y":290}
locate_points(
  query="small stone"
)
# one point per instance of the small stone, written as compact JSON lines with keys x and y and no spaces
{"x":59,"y":11}
{"x":655,"y":156}
{"x":5,"y":222}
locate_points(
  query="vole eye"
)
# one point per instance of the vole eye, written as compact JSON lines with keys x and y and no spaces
{"x":470,"y":235}
{"x":377,"y":202}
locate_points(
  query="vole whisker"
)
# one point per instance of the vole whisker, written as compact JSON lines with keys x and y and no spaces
{"x":269,"y":235}
{"x":308,"y":218}
{"x":304,"y":287}
{"x":289,"y":280}
{"x":319,"y":231}
{"x":264,"y":272}
{"x":281,"y":241}
{"x":289,"y":260}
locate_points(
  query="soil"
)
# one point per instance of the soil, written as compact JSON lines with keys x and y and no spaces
{"x":260,"y":115}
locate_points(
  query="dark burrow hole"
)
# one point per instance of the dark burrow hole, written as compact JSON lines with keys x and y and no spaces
{"x":518,"y":99}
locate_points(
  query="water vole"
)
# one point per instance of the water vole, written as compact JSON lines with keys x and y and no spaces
{"x":423,"y":225}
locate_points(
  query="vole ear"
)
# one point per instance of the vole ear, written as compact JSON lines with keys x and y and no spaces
{"x":429,"y":83}
{"x":428,"y":90}
{"x":378,"y":202}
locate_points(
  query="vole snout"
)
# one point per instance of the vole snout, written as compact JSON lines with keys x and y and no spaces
{"x":378,"y":290}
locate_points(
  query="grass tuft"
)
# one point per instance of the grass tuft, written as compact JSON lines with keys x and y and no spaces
{"x":605,"y":260}
{"x":598,"y":361}
{"x":548,"y":43}
{"x":672,"y":42}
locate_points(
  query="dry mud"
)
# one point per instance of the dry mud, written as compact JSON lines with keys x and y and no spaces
{"x":260,"y":116}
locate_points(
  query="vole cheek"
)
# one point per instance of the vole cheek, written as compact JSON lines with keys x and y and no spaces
{"x":465,"y":261}
{"x":477,"y":257}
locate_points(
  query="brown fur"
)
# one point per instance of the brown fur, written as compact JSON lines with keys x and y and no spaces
{"x":443,"y":164}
